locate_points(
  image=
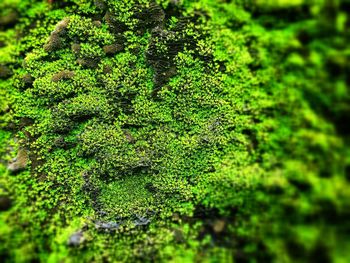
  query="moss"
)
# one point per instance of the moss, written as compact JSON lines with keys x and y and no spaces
{"x":174,"y":131}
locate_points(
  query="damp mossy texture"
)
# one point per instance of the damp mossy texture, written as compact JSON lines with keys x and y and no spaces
{"x":175,"y":131}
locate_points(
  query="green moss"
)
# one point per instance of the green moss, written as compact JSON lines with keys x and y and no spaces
{"x":174,"y":131}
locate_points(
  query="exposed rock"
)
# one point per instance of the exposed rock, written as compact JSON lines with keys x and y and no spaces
{"x":106,"y":226}
{"x":61,"y":26}
{"x":20,"y":162}
{"x":76,"y":239}
{"x":141,"y":221}
{"x":112,"y":49}
{"x":55,"y":42}
{"x":88,"y":62}
{"x":64,"y":74}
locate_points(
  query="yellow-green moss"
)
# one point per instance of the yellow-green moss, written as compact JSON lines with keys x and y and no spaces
{"x":176,"y":131}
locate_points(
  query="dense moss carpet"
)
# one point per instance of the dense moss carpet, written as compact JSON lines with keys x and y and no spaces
{"x":174,"y":131}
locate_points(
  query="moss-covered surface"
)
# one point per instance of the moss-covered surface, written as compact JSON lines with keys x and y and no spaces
{"x":174,"y":131}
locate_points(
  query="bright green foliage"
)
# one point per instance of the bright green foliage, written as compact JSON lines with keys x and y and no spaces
{"x":178,"y":131}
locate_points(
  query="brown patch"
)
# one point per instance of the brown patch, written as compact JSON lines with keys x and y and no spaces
{"x":115,"y":26}
{"x":100,"y":4}
{"x":5,"y":203}
{"x":107,"y":69}
{"x":112,"y":49}
{"x":61,"y":26}
{"x":55,"y":42}
{"x":27,"y":79}
{"x":64,"y":74}
{"x":5,"y":72}
{"x":129,"y":137}
{"x":219,"y":226}
{"x":97,"y":23}
{"x":9,"y":20}
{"x":20,"y":162}
{"x":89,"y":63}
{"x":76,"y":48}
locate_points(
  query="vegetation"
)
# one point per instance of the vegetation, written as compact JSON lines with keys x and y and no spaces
{"x":174,"y":131}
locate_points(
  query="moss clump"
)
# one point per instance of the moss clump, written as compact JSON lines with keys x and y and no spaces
{"x":174,"y":131}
